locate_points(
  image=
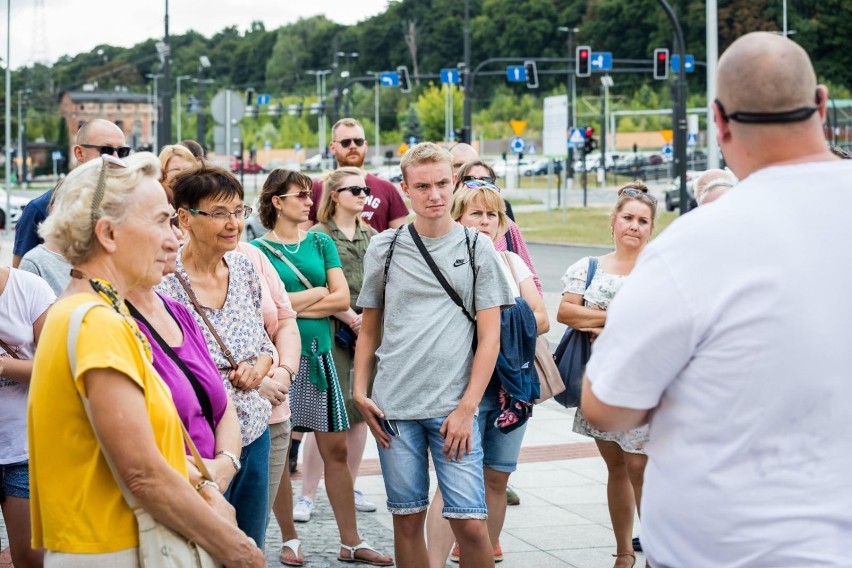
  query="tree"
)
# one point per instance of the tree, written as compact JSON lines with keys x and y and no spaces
{"x":413,"y":128}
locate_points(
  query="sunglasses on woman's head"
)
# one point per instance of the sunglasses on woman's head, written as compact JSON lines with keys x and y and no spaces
{"x":356,"y":190}
{"x":486,"y":179}
{"x":477,"y":183}
{"x":346,"y":142}
{"x":635,"y":193}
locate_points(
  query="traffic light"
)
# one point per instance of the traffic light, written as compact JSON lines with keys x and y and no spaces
{"x":404,"y":82}
{"x":590,"y":143}
{"x":661,"y":63}
{"x":532,"y":74}
{"x":250,"y":96}
{"x":583,"y":61}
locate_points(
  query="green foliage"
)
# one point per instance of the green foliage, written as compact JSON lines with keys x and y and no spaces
{"x":431,"y":110}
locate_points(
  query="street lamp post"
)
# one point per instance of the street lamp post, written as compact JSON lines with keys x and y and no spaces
{"x":22,"y":137}
{"x":155,"y":77}
{"x":376,"y":74}
{"x":179,"y":125}
{"x":8,"y":112}
{"x":201,"y":122}
{"x":321,"y":75}
{"x":569,"y":166}
{"x":336,"y":76}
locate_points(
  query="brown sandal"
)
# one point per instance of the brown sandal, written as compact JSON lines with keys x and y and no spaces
{"x":631,"y":554}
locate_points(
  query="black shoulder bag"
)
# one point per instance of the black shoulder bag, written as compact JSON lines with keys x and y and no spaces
{"x":200,"y":393}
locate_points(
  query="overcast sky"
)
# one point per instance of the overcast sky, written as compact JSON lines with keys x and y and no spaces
{"x":75,"y":26}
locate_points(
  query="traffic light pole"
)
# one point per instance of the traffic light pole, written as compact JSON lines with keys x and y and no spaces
{"x":467,"y":110}
{"x":679,"y":109}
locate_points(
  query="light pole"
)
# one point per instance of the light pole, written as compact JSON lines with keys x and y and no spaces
{"x":569,"y":166}
{"x":606,"y":83}
{"x":178,"y":80}
{"x":376,"y":75}
{"x":201,"y":123}
{"x":8,"y":109}
{"x":336,"y":76}
{"x":22,"y":129}
{"x":165,"y":132}
{"x":320,"y":75}
{"x":155,"y":77}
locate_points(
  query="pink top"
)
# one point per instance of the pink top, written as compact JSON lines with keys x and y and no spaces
{"x":520,"y":248}
{"x":275,"y":305}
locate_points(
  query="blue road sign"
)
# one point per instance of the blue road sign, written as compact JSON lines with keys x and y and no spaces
{"x":450,"y":76}
{"x":692,"y":139}
{"x":577,"y":137}
{"x":297,"y":146}
{"x":689,"y":66}
{"x":263,"y":99}
{"x":517,"y":144}
{"x":516,"y":74}
{"x":389,"y":79}
{"x":601,"y":61}
{"x":667,"y":150}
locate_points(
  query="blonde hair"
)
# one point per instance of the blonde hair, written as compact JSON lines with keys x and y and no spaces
{"x":332,"y":181}
{"x":642,"y":196}
{"x":71,"y":224}
{"x":172,"y":150}
{"x":424,"y":153}
{"x":490,"y":199}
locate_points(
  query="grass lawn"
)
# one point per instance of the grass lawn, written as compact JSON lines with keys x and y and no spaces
{"x":588,"y":225}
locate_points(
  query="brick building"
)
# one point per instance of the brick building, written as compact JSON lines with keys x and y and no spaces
{"x":132,"y":112}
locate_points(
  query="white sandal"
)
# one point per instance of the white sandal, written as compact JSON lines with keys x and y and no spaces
{"x":362,"y":546}
{"x":295,"y":545}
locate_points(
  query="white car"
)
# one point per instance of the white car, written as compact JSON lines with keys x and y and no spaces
{"x":17,"y":207}
{"x":500,"y":166}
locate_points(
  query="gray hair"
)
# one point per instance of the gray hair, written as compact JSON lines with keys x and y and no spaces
{"x":71,"y":224}
{"x":712,"y":180}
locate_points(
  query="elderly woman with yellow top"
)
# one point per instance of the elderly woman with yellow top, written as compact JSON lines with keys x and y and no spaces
{"x":112,"y":223}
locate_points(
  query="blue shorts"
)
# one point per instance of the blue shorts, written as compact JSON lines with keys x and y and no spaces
{"x":405,"y":468}
{"x":15,"y":480}
{"x":500,"y":451}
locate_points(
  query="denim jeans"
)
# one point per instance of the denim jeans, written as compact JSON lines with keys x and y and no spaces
{"x":405,"y":468}
{"x":249,"y":490}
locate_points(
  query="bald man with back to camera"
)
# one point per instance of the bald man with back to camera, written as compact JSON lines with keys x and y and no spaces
{"x":735,"y":342}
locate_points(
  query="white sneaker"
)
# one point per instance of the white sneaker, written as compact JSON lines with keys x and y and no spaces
{"x":303,"y":509}
{"x":363,"y":504}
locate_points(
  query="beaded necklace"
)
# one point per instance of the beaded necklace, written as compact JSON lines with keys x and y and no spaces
{"x":106,"y":291}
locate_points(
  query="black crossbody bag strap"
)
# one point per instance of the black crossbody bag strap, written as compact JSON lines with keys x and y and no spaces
{"x":200,"y":393}
{"x":437,"y":272}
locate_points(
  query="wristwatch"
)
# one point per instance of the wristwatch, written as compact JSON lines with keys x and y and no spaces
{"x":232,"y":457}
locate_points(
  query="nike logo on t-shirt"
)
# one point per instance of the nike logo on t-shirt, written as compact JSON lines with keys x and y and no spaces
{"x":459,"y":262}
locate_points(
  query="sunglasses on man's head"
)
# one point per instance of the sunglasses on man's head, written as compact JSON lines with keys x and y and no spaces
{"x":121,"y":151}
{"x":480,"y":182}
{"x":346,"y":142}
{"x":486,"y":179}
{"x":356,"y":190}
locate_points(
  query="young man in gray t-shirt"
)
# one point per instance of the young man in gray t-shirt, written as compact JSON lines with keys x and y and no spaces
{"x":429,"y":381}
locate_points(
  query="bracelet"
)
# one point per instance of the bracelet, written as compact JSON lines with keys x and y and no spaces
{"x":207,"y":483}
{"x":289,"y":370}
{"x":235,"y":461}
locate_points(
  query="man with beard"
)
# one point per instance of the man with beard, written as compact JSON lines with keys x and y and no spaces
{"x":383,"y":208}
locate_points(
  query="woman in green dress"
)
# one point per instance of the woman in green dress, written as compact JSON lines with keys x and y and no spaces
{"x":339,"y":217}
{"x":310,"y":268}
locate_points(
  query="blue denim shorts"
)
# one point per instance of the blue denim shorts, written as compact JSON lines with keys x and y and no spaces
{"x":405,"y":468}
{"x":15,"y":480}
{"x":500,"y":451}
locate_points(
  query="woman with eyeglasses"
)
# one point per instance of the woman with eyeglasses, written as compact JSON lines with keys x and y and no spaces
{"x":310,"y":267}
{"x":221,"y":289}
{"x":632,"y":222}
{"x":111,"y":222}
{"x":339,"y":217}
{"x":479,"y":174}
{"x":483,"y":208}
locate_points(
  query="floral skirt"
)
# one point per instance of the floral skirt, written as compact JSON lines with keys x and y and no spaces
{"x":631,"y":441}
{"x":315,"y":411}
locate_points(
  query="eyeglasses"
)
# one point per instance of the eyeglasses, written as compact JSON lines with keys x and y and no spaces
{"x":636,"y":194}
{"x":486,"y":179}
{"x":222,"y":215}
{"x":356,"y":190}
{"x":478,"y":183}
{"x":783,"y":117}
{"x":108,"y":162}
{"x":346,"y":142}
{"x":121,"y":151}
{"x":304,"y":194}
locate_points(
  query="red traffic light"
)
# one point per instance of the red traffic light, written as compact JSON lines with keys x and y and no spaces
{"x":661,"y":63}
{"x":589,"y":132}
{"x":583,"y":61}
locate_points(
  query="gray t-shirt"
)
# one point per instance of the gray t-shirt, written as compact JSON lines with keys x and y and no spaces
{"x":425,"y":356}
{"x":51,"y":266}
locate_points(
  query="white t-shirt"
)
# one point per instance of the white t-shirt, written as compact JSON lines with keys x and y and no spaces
{"x":25,"y":298}
{"x":522,"y":271}
{"x":736,"y":326}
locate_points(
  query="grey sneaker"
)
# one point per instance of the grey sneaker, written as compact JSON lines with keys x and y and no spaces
{"x":363,"y":504}
{"x":303,"y":509}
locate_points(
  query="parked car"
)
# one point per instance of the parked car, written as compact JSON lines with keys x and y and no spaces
{"x":315,"y":162}
{"x":672,"y":194}
{"x":391,"y":173}
{"x":632,"y":165}
{"x":14,"y":213}
{"x":253,"y":227}
{"x":541,"y":167}
{"x":500,"y":167}
{"x":243,"y":166}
